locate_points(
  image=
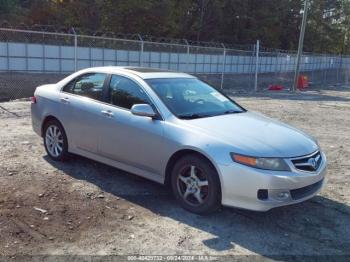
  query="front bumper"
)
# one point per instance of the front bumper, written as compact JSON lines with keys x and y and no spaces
{"x":240,"y":185}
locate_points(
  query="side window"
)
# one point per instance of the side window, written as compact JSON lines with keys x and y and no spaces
{"x":125,"y":93}
{"x":69,"y":87}
{"x":88,"y":85}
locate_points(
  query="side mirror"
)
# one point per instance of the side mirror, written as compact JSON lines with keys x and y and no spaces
{"x":143,"y":110}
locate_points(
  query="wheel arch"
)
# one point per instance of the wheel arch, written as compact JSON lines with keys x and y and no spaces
{"x":48,"y":118}
{"x":180,"y":153}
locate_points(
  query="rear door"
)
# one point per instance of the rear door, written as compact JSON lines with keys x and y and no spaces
{"x":127,"y":138}
{"x":81,"y":107}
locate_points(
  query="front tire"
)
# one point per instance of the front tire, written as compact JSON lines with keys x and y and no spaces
{"x":55,"y":140}
{"x":196,"y":185}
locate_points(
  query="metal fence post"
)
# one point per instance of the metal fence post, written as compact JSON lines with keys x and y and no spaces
{"x":223,"y":66}
{"x":141,"y":49}
{"x":312,"y":59}
{"x":340,"y":64}
{"x":300,"y":46}
{"x":103,"y":52}
{"x":75,"y":50}
{"x":324,"y":69}
{"x":44,"y":54}
{"x":8,"y":55}
{"x":188,"y":56}
{"x":60,"y":59}
{"x":26,"y":54}
{"x":257,"y":47}
{"x":251,"y":64}
{"x":90,"y":54}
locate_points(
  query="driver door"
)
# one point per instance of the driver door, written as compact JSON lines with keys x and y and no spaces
{"x":133,"y":140}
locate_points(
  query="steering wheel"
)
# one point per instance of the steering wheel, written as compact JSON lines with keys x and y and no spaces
{"x":199,"y":101}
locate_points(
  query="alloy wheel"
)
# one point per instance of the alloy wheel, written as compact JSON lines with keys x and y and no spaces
{"x":192,"y":184}
{"x":54,"y":140}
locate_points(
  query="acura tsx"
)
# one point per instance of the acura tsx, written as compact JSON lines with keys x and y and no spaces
{"x":175,"y":129}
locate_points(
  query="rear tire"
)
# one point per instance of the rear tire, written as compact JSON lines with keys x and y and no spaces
{"x":196,"y":184}
{"x":55,"y":140}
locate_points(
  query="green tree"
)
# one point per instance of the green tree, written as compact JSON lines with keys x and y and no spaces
{"x":275,"y":23}
{"x":8,"y":6}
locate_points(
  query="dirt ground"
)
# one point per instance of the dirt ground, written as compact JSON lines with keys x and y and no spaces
{"x":82,"y":207}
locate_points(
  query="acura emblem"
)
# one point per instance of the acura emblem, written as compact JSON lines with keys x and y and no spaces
{"x":313,"y":163}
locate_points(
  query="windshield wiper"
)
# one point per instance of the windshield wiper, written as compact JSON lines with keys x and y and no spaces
{"x":195,"y":115}
{"x":192,"y":116}
{"x":231,"y":112}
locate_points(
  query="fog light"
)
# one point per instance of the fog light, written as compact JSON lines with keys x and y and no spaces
{"x":283,"y":195}
{"x":263,"y":194}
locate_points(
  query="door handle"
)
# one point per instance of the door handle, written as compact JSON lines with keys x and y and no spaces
{"x":65,"y":100}
{"x":107,"y":113}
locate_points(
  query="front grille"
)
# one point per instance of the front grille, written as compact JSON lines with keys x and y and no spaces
{"x":305,"y":191}
{"x":309,"y":163}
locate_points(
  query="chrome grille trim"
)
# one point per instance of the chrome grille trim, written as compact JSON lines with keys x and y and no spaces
{"x":308,"y":163}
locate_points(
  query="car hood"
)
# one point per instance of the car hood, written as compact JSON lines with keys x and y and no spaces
{"x":256,"y":135}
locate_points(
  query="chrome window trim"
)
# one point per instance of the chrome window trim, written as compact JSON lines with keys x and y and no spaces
{"x":140,"y":86}
{"x":109,"y":76}
{"x":85,"y":73}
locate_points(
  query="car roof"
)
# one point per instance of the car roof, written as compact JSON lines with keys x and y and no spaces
{"x":142,"y":72}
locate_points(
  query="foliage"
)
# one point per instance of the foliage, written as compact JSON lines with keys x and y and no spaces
{"x":275,"y":22}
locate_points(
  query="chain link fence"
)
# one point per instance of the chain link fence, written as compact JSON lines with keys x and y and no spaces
{"x":31,"y":58}
{"x":277,"y":68}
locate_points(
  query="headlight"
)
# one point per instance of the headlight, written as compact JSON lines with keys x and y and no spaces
{"x":268,"y":163}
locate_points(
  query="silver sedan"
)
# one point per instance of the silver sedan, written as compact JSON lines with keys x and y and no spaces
{"x":175,"y":129}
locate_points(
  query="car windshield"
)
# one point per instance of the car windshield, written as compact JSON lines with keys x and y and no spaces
{"x":190,"y":98}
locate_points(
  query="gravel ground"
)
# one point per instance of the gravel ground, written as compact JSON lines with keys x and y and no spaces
{"x":82,"y":207}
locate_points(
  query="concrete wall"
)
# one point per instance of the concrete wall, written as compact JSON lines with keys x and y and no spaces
{"x":29,"y":57}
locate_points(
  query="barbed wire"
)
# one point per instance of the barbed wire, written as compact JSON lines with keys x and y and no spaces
{"x":148,"y":38}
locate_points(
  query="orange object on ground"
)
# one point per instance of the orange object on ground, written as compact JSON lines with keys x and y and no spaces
{"x":275,"y":87}
{"x":303,"y":82}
